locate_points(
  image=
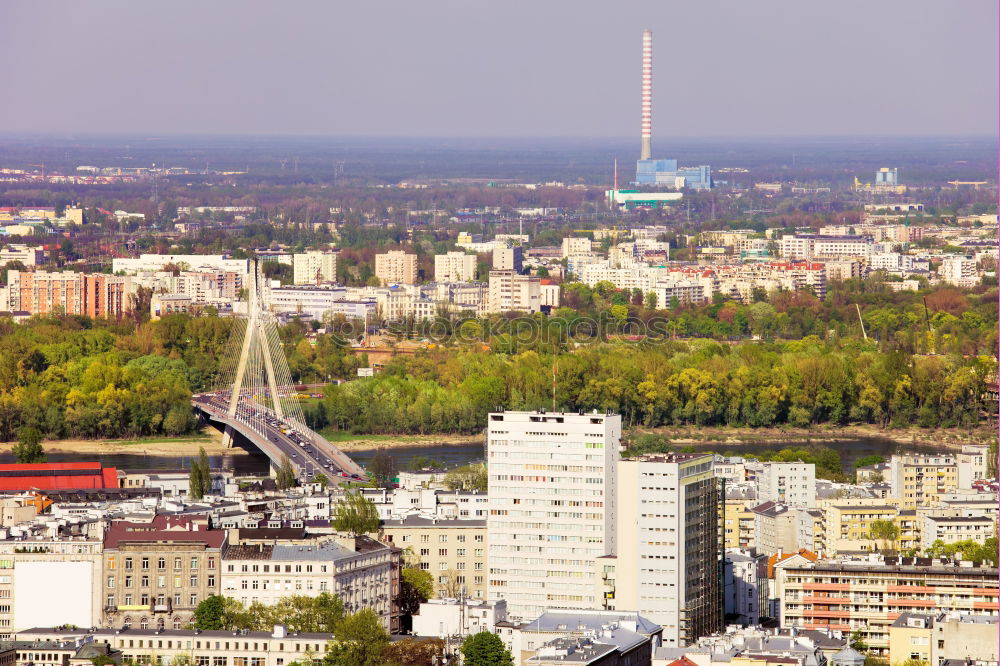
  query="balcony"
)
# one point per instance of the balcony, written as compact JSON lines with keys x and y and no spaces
{"x":809,"y":599}
{"x":162,"y":608}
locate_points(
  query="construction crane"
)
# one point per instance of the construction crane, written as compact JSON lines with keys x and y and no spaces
{"x":44,"y":177}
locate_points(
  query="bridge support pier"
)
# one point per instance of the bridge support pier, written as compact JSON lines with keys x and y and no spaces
{"x":227,"y":437}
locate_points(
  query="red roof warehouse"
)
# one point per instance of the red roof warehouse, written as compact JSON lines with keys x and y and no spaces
{"x":57,"y":476}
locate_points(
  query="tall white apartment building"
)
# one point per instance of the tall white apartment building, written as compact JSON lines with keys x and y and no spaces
{"x":960,"y":271}
{"x":314,"y":266}
{"x":510,"y":292}
{"x":396,"y":267}
{"x":508,"y":258}
{"x":454,"y":267}
{"x":552,"y":507}
{"x":791,"y":483}
{"x":669,"y":546}
{"x":571,"y":246}
{"x":186,"y":262}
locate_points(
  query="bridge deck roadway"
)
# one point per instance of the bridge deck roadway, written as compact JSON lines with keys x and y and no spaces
{"x":315,"y":456}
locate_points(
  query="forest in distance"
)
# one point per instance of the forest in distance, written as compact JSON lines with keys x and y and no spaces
{"x":69,"y":376}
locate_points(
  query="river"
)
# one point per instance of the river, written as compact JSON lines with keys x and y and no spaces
{"x":256,"y":464}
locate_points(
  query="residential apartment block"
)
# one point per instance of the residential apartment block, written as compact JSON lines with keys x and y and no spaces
{"x":552,"y":502}
{"x":453,"y":551}
{"x":361,"y":571}
{"x":314,"y":267}
{"x":668,"y":554}
{"x":156,"y":573}
{"x":510,"y":292}
{"x":454,"y":267}
{"x":396,"y":267}
{"x":869,"y":596}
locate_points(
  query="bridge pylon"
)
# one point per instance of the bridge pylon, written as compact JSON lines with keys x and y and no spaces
{"x":255,"y":371}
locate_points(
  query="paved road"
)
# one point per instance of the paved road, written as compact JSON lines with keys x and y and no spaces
{"x":309,"y":453}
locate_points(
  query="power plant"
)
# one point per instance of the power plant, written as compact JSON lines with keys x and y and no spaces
{"x":649,"y":171}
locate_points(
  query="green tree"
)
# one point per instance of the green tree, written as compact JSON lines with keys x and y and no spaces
{"x":29,"y":445}
{"x":413,"y":652}
{"x":204,"y":470}
{"x":885,"y":533}
{"x":867,"y":461}
{"x":382,"y":468}
{"x":485,"y":649}
{"x":355,"y":514}
{"x":285,"y":478}
{"x":416,"y":587}
{"x":321,"y":479}
{"x":468,"y":477}
{"x":196,"y":484}
{"x":358,"y":640}
{"x":209,"y":614}
{"x":857,"y":641}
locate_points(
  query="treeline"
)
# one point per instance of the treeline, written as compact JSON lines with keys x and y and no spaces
{"x":71,"y":376}
{"x":670,"y":383}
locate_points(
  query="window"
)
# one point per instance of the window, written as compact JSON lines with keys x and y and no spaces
{"x":442,"y":538}
{"x":161,"y":581}
{"x":194,"y":562}
{"x":211,"y":563}
{"x":161,"y":563}
{"x":144,"y":581}
{"x":194,"y":581}
{"x":177,"y":564}
{"x":211,"y":581}
{"x":111,"y":581}
{"x":128,"y":599}
{"x":111,"y":601}
{"x":424,"y":538}
{"x":177,"y":599}
{"x":194,"y":600}
{"x":128,"y":581}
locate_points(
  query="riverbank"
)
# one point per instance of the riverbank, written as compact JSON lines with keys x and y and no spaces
{"x":348,"y":442}
{"x":942,"y":438}
{"x":209,"y":439}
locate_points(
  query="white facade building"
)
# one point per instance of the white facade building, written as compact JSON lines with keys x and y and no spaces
{"x":793,"y":484}
{"x":510,"y":292}
{"x":453,"y":617}
{"x":571,"y":246}
{"x":666,"y":565}
{"x":454,"y":267}
{"x":26,"y":254}
{"x":959,"y":271}
{"x":742,"y":593}
{"x":314,"y":267}
{"x":552,"y":496}
{"x":193,"y":262}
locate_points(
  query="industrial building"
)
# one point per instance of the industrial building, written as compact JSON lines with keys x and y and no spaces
{"x":57,"y":476}
{"x":665,"y":172}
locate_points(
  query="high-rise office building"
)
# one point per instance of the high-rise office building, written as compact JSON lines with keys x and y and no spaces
{"x":668,"y":563}
{"x":552,"y":507}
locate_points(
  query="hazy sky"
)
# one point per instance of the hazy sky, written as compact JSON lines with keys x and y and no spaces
{"x":510,"y":67}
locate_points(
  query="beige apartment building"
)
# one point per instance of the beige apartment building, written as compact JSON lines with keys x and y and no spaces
{"x":396,"y":267}
{"x":739,"y":525}
{"x":934,"y":637}
{"x":869,"y":596}
{"x":453,"y":551}
{"x":363,"y":572}
{"x":156,"y":573}
{"x":847,"y":525}
{"x":920,"y":480}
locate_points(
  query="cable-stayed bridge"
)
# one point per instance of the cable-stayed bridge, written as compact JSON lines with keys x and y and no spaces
{"x":254,"y":397}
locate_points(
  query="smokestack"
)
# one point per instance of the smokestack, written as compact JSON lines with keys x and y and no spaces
{"x":647,"y":95}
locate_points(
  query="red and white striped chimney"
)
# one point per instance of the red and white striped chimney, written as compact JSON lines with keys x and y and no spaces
{"x":647,"y":95}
